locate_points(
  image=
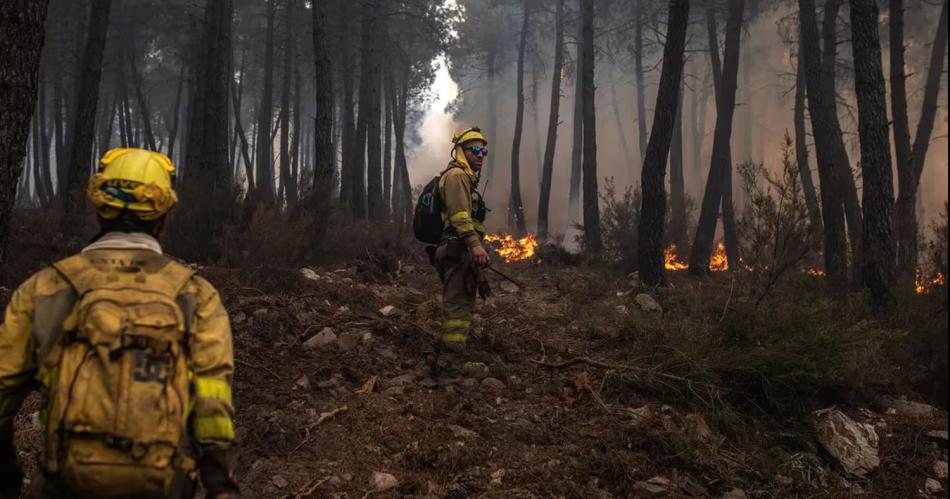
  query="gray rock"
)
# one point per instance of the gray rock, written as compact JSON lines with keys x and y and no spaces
{"x":461,"y":432}
{"x":402,"y":380}
{"x":735,"y":494}
{"x":348,"y":341}
{"x":393,"y":391}
{"x":853,"y":444}
{"x":493,"y":385}
{"x":475,"y":369}
{"x":939,"y":436}
{"x":279,"y":481}
{"x":933,"y":487}
{"x":940,"y":470}
{"x":382,"y":482}
{"x":309,"y":274}
{"x":261,"y":313}
{"x":325,"y":337}
{"x":657,"y":486}
{"x":389,"y":311}
{"x":302,"y":382}
{"x":647,"y":303}
{"x":911,"y":409}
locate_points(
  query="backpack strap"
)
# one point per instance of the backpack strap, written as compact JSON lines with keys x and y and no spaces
{"x":75,"y":270}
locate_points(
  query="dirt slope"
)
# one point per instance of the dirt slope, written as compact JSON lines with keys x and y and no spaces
{"x":326,"y":420}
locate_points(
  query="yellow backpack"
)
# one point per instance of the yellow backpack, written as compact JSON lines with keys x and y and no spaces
{"x":118,"y":383}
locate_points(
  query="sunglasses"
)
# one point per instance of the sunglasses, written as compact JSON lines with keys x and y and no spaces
{"x":479,"y":151}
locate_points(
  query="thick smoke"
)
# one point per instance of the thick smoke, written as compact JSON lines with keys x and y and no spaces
{"x":764,"y":113}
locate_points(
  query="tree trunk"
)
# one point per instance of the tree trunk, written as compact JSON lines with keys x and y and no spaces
{"x":488,"y":168}
{"x":295,"y":173}
{"x":36,"y":141}
{"x":846,"y":187}
{"x":59,"y":138}
{"x":515,"y":206}
{"x":547,"y":168}
{"x":374,"y":147}
{"x":287,"y":182}
{"x":801,"y":149}
{"x":902,"y":148}
{"x":577,"y":144}
{"x":140,"y":93}
{"x":618,"y":120}
{"x":367,"y":50}
{"x":911,"y":167}
{"x":237,"y":93}
{"x":823,"y":130}
{"x":728,"y":209}
{"x":21,"y":41}
{"x":668,"y":101}
{"x":677,"y":178}
{"x":265,"y":155}
{"x":592,"y":237}
{"x":347,"y":175}
{"x":387,"y":142}
{"x":45,"y":182}
{"x":876,"y":174}
{"x":402,"y":171}
{"x":207,"y":157}
{"x":325,"y":152}
{"x":699,"y":124}
{"x":638,"y":77}
{"x":719,"y":182}
{"x":83,"y":126}
{"x":126,"y":114}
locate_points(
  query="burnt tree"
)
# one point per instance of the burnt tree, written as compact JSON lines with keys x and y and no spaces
{"x":876,"y":173}
{"x":653,"y":204}
{"x":591,"y":205}
{"x":547,"y":168}
{"x":824,"y":128}
{"x":719,"y":182}
{"x":21,"y":41}
{"x":324,"y":151}
{"x":801,"y":149}
{"x":910,"y":159}
{"x":82,"y":129}
{"x":264,"y":151}
{"x":515,"y":205}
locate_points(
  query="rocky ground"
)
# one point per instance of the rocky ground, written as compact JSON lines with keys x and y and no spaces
{"x":334,"y":399}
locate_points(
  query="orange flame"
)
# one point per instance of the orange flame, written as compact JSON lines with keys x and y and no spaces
{"x":922,"y":285}
{"x":718,"y":262}
{"x":815,"y":272}
{"x":670,"y":261}
{"x":511,"y":249}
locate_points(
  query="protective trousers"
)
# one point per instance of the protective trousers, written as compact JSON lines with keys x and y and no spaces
{"x":453,"y":260}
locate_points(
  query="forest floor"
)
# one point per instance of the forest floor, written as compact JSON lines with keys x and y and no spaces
{"x":571,"y":398}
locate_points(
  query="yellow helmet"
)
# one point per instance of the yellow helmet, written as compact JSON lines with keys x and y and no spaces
{"x":136,"y":180}
{"x":467,"y":135}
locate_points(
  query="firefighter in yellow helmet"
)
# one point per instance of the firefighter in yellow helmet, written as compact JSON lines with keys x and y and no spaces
{"x":131,"y":351}
{"x":460,"y":253}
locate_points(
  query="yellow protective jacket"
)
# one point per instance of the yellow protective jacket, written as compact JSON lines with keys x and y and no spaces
{"x":456,"y":187}
{"x":34,"y":320}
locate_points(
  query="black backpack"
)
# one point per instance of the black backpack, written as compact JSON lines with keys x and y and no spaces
{"x":427,"y":220}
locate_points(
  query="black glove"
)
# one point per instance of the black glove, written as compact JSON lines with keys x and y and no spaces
{"x":11,"y":477}
{"x":217,"y":473}
{"x":484,"y":286}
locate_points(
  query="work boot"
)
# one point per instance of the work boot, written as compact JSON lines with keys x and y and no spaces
{"x":447,"y":359}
